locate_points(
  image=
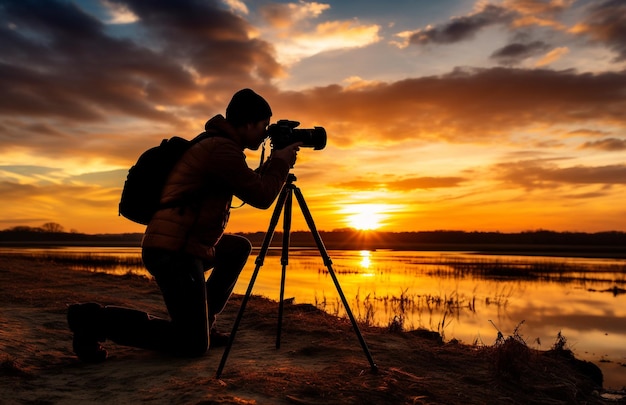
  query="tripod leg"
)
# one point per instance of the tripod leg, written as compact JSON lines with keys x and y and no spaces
{"x":284,"y":260}
{"x":259,"y":262}
{"x":328,"y":263}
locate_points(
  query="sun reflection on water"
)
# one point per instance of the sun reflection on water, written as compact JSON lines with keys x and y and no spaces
{"x":366,"y":260}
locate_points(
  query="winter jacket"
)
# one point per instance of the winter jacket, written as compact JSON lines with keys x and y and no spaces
{"x":202,"y":185}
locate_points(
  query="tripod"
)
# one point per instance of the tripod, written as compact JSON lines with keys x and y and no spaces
{"x":285,"y":199}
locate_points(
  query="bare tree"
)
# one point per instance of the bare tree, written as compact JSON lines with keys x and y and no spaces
{"x":52,"y":227}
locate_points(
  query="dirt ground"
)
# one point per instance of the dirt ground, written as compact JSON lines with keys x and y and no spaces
{"x":320,"y":360}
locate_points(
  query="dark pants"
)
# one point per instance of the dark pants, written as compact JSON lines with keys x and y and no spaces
{"x":191,"y":302}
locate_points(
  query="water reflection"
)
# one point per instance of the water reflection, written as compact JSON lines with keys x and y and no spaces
{"x":462,"y":295}
{"x":365,"y":259}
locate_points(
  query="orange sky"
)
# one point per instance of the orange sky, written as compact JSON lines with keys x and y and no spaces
{"x":491,"y":116}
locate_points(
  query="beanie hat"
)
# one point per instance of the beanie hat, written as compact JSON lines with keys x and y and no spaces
{"x":246,"y":106}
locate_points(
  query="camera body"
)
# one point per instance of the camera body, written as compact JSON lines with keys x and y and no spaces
{"x":283,"y":134}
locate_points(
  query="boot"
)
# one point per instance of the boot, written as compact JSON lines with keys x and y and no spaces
{"x":85,"y":320}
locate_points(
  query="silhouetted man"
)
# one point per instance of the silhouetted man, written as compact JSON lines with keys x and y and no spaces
{"x":183,"y":241}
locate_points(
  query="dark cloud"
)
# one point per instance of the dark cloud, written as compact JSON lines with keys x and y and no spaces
{"x":467,"y":105}
{"x":58,"y":61}
{"x":515,"y":53}
{"x":606,"y":22}
{"x":12,"y":191}
{"x":214,"y":41}
{"x":608,"y":144}
{"x":543,"y":174}
{"x":587,"y":132}
{"x":462,"y":28}
{"x":65,"y":75}
{"x":514,"y":14}
{"x":73,"y":70}
{"x":409,"y":184}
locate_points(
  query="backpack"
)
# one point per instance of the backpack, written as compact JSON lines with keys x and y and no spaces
{"x":141,"y":195}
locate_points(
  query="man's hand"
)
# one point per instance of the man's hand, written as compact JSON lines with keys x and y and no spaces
{"x":288,"y":153}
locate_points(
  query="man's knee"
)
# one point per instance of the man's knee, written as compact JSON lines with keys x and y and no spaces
{"x":239,"y":243}
{"x":233,"y":245}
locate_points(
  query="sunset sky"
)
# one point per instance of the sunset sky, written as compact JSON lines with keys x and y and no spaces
{"x":441,"y":115}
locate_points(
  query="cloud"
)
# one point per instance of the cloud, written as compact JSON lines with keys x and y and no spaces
{"x":606,"y":23}
{"x":552,"y":56}
{"x":460,"y":28}
{"x":288,"y":15}
{"x":119,"y":13}
{"x":211,"y":41}
{"x":534,"y":174}
{"x":29,"y":174}
{"x":237,"y":6}
{"x":515,"y":53}
{"x":587,"y":132}
{"x":78,"y":72}
{"x":66,"y":72}
{"x":466,"y":105}
{"x":538,"y":7}
{"x":513,"y":14}
{"x":14,"y":191}
{"x":608,"y":144}
{"x":60,"y":62}
{"x":537,"y":12}
{"x":327,"y":36}
{"x":296,"y":37}
{"x":48,"y":200}
{"x":603,"y":22}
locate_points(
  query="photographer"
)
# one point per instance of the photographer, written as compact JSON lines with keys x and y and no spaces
{"x":181,"y":242}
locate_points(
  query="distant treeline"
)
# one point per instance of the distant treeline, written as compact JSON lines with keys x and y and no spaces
{"x":38,"y":237}
{"x":455,"y":240}
{"x":351,"y":239}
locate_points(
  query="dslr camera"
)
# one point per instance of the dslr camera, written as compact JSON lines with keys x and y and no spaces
{"x":283,"y":134}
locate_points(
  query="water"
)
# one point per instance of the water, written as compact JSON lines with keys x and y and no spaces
{"x":583,"y":299}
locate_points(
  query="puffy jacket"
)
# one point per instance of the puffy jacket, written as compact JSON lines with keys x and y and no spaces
{"x":202,"y":184}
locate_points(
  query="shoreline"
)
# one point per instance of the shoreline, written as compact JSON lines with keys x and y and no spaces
{"x":565,"y":251}
{"x":320,"y":361}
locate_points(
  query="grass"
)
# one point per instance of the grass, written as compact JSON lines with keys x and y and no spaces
{"x":121,"y":265}
{"x":519,"y":269}
{"x":89,"y":260}
{"x":449,"y":306}
{"x":441,"y":310}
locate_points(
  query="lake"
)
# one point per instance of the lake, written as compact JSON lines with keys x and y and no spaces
{"x":464,"y":296}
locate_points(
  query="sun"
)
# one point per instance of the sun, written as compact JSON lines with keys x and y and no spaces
{"x":366,"y":217}
{"x":364,"y":221}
